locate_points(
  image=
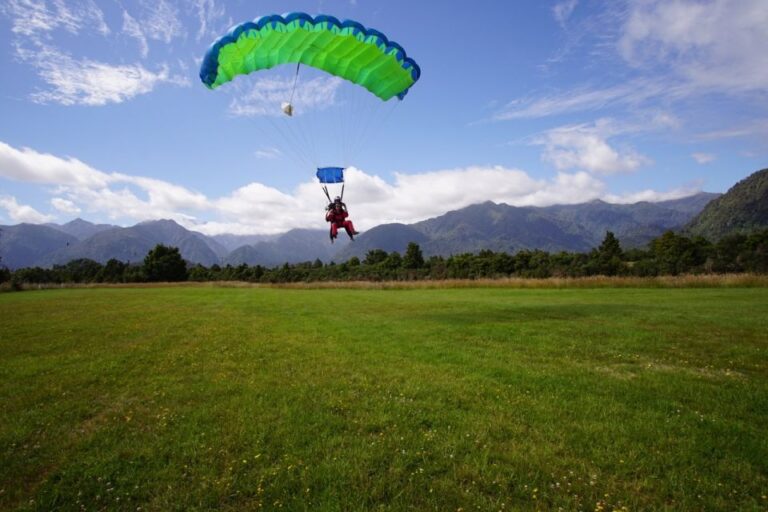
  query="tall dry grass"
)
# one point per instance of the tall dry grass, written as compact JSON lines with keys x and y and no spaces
{"x":683,"y":281}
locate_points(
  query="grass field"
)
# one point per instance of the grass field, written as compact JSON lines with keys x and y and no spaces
{"x":199,"y":398}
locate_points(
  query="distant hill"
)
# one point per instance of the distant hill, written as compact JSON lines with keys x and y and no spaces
{"x":22,"y":244}
{"x":295,"y":246}
{"x":743,"y":209}
{"x":81,"y":229}
{"x":633,"y":224}
{"x":388,"y":237}
{"x":132,"y":244}
{"x":232,"y":242}
{"x":500,"y":227}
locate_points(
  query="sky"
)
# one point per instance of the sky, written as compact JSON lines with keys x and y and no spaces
{"x":526,"y":102}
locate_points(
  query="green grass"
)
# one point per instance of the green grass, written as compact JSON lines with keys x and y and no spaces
{"x":199,"y":398}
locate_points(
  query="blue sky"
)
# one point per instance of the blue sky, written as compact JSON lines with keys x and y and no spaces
{"x":525,"y":102}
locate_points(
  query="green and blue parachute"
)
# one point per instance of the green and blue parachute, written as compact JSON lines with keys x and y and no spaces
{"x":346,"y":49}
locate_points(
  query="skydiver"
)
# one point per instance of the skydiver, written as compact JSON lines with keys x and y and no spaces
{"x":336,"y":214}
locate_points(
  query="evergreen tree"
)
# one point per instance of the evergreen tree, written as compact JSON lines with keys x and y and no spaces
{"x":609,"y":255}
{"x":375,"y":256}
{"x":413,"y":258}
{"x":165,"y":264}
{"x":113,"y":272}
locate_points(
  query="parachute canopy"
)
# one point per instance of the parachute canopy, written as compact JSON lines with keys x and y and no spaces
{"x":330,"y":174}
{"x":345,"y":49}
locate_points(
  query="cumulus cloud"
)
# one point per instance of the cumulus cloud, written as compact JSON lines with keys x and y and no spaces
{"x":21,"y":212}
{"x":80,"y":186}
{"x":586,"y":147}
{"x":28,"y":165}
{"x":260,"y":208}
{"x":65,"y":206}
{"x":257,"y":208}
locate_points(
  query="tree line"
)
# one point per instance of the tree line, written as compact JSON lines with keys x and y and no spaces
{"x":669,"y":254}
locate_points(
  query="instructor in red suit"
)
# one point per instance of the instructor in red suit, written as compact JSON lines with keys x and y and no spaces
{"x":337,"y":215}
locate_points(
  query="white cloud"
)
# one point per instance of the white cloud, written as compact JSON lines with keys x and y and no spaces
{"x":167,"y":195}
{"x":72,"y":80}
{"x":703,"y":158}
{"x":756,"y":128}
{"x":257,"y":208}
{"x":563,"y":10}
{"x":65,"y":206}
{"x":132,"y":28}
{"x":22,"y":213}
{"x":28,"y":165}
{"x":33,"y":17}
{"x":88,"y":82}
{"x":652,"y":195}
{"x":668,"y":50}
{"x":207,"y":14}
{"x":586,"y":147}
{"x":584,"y":98}
{"x":160,"y":21}
{"x":268,"y":153}
{"x":266,"y":95}
{"x":97,"y":191}
{"x":719,"y":45}
{"x":260,"y":208}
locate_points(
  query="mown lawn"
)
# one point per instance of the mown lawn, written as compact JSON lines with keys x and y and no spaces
{"x":199,"y":398}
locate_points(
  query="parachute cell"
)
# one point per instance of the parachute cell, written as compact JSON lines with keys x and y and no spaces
{"x":345,"y":49}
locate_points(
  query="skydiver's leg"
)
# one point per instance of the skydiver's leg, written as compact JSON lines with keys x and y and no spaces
{"x":350,"y":228}
{"x":334,"y":230}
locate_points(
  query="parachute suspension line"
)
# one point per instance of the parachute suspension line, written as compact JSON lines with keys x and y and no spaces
{"x":290,"y":142}
{"x":295,"y":80}
{"x":352,"y":116}
{"x":368,"y":110}
{"x":278,"y":140}
{"x":288,"y":110}
{"x":373,"y":128}
{"x":296,"y":126}
{"x":308,"y":141}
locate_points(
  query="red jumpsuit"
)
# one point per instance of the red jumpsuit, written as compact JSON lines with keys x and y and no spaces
{"x":337,"y":217}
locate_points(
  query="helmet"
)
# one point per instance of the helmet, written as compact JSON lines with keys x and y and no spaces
{"x":337,"y":199}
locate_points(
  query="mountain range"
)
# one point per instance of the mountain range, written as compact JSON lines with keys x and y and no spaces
{"x":744,"y":208}
{"x":498,"y":227}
